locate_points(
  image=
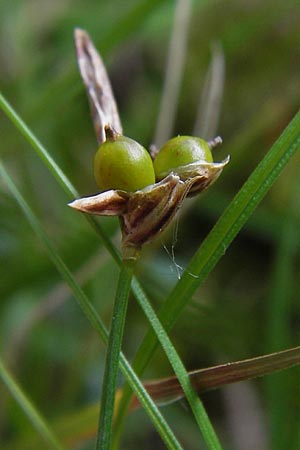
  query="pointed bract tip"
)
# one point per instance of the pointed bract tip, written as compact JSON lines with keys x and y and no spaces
{"x":75,"y":204}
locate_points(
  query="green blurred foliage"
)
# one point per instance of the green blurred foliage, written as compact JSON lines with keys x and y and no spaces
{"x":250,"y":303}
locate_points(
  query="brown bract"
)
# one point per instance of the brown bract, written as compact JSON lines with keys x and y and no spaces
{"x":201,"y":174}
{"x":144,"y":214}
{"x":102,"y":102}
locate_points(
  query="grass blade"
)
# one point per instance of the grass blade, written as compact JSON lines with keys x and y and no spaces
{"x":112,"y":358}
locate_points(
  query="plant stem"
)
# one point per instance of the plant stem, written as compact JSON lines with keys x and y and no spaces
{"x":112,"y":357}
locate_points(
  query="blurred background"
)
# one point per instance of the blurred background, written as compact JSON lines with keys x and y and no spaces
{"x":248,"y":306}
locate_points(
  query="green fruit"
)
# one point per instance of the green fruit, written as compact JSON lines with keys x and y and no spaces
{"x":122,"y":163}
{"x":178,"y":152}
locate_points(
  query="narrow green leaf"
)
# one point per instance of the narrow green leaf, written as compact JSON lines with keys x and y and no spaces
{"x":30,"y":410}
{"x":104,"y":434}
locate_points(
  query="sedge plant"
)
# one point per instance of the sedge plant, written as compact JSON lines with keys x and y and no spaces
{"x":179,"y":178}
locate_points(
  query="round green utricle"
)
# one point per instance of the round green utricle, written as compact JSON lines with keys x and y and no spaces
{"x":122,"y":163}
{"x":179,"y":151}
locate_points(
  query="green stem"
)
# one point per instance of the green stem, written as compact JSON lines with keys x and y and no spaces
{"x":113,"y":356}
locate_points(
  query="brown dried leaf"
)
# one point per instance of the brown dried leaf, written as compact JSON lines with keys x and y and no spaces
{"x":169,"y":390}
{"x":102,"y":102}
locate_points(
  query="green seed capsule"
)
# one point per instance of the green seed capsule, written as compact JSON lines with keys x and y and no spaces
{"x":178,"y":152}
{"x":122,"y":163}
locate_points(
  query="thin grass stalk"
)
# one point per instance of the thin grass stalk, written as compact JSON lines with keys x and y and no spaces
{"x":104,"y":434}
{"x":35,"y":417}
{"x":158,"y":420}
